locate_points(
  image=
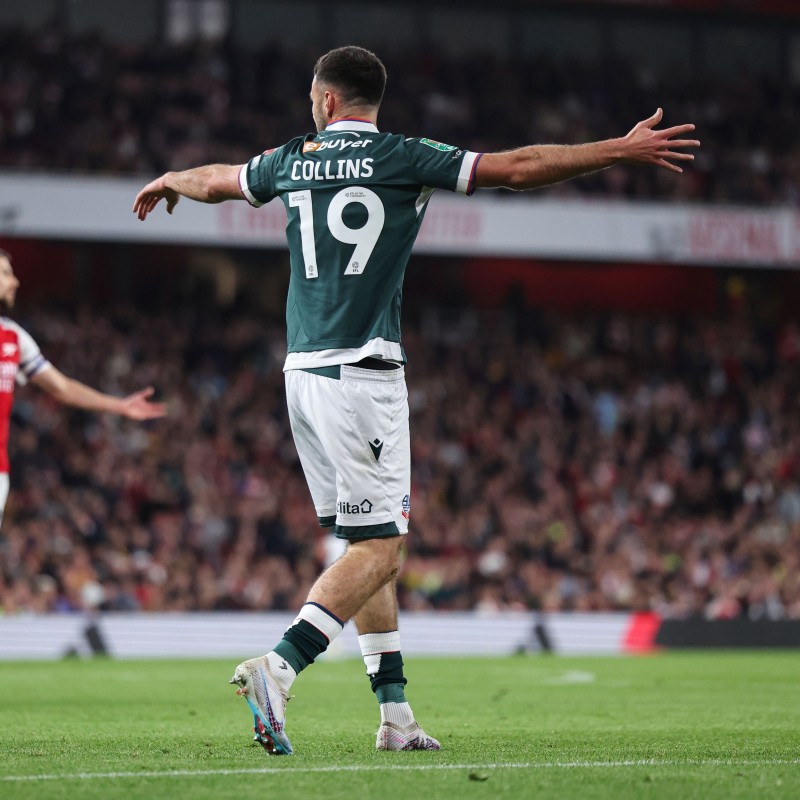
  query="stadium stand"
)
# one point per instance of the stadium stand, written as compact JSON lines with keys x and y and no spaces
{"x":116,"y":113}
{"x":604,"y":462}
{"x":594,"y":462}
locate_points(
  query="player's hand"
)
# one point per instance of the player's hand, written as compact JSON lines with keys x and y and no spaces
{"x":646,"y":145}
{"x":149,"y":197}
{"x":137,"y":406}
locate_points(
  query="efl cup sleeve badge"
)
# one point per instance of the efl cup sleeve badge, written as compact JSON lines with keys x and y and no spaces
{"x":407,"y":506}
{"x":445,"y":148}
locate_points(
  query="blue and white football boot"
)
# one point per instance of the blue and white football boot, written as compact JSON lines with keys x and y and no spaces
{"x":267,"y":701}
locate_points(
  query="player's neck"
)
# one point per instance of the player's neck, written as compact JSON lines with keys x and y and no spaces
{"x":357,"y":114}
{"x":352,"y":122}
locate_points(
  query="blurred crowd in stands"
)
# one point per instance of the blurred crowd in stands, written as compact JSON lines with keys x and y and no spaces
{"x":83,"y":105}
{"x":609,"y":462}
{"x":559,"y":463}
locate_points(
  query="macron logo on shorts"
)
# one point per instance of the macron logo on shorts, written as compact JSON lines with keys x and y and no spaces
{"x":376,"y":445}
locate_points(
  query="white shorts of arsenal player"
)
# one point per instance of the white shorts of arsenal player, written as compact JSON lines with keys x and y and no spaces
{"x":3,"y":493}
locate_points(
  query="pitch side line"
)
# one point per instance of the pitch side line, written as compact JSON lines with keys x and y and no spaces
{"x":203,"y":773}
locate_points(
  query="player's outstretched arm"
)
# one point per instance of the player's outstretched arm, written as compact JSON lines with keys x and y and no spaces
{"x":74,"y":393}
{"x":212,"y":183}
{"x":541,"y":165}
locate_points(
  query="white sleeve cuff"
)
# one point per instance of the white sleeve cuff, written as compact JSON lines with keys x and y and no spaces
{"x":466,"y":176}
{"x":244,"y":188}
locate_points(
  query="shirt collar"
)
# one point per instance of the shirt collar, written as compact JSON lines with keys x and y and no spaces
{"x":352,"y":124}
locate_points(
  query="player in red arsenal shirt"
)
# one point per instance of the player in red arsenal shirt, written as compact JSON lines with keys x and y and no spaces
{"x":22,"y":361}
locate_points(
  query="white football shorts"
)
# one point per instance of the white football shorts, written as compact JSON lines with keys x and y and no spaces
{"x":352,"y":437}
{"x":4,"y":483}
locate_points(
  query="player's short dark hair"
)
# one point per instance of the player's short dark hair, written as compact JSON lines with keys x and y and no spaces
{"x":5,"y":254}
{"x":357,"y":73}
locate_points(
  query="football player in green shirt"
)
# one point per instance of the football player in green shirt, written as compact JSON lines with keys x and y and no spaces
{"x":355,"y":199}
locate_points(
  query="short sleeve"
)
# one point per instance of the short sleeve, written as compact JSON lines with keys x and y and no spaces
{"x":257,"y":178}
{"x":31,"y":360}
{"x":443,"y":166}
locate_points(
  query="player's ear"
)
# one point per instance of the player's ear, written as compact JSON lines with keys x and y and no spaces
{"x":330,"y":102}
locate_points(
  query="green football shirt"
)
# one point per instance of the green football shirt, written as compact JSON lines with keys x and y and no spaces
{"x":355,"y":200}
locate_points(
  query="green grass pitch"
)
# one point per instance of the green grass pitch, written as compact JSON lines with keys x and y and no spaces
{"x":700,"y":725}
